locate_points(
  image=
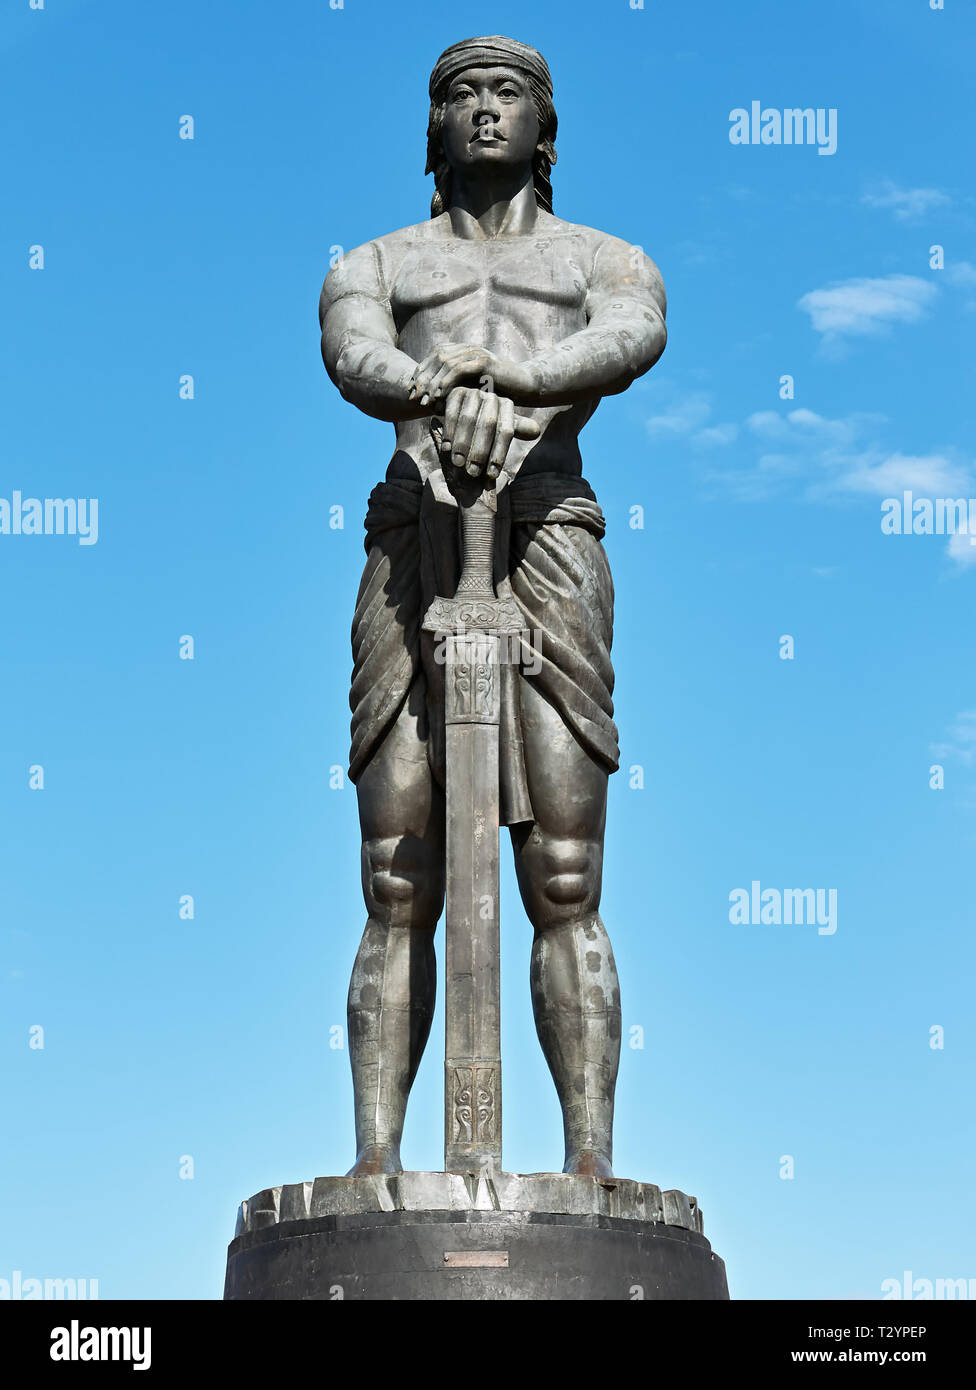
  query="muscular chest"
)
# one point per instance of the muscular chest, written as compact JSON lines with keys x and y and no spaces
{"x":490,"y":291}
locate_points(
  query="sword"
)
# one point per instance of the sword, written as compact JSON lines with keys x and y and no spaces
{"x":469,"y":626}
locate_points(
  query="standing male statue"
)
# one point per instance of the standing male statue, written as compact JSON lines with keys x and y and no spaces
{"x":487,"y":335}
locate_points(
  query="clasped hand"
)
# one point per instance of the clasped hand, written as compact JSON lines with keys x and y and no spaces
{"x":464,"y":364}
{"x":477,"y":429}
{"x":479,"y":424}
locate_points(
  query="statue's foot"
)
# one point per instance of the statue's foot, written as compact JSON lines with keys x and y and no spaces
{"x":589,"y":1163}
{"x":374,"y":1159}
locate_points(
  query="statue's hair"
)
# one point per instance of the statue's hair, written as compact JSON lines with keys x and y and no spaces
{"x":545,"y":155}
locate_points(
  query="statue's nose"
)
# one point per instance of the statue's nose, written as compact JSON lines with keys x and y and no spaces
{"x":486,"y":110}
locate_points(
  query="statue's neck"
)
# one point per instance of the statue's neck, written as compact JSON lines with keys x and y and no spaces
{"x":493,"y":207}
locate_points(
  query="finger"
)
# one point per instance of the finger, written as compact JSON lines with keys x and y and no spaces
{"x":421,"y":384}
{"x":465,"y":364}
{"x":504,"y":433}
{"x":445,"y":379}
{"x":429,"y":364}
{"x":451,"y":413}
{"x":422,"y":373}
{"x":464,"y":430}
{"x":433,"y":363}
{"x":484,"y":434}
{"x":526,"y":427}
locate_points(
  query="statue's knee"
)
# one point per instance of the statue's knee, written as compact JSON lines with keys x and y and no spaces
{"x":402,"y":882}
{"x":561,"y":880}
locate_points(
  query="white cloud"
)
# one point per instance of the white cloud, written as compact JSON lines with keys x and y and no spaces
{"x":717,"y":434}
{"x":927,"y":475}
{"x":962,"y":276}
{"x":907,"y":204}
{"x":802,"y":425}
{"x":688,"y":416}
{"x":817,"y":457}
{"x":867,"y":307}
{"x":962,"y":550}
{"x":825,"y":458}
{"x":961,"y":743}
{"x":682,"y":416}
{"x":962,"y":273}
{"x":770,"y":475}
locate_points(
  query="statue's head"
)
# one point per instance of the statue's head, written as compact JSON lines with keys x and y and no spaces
{"x":490,"y":105}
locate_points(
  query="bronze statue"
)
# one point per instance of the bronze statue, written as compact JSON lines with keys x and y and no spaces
{"x":487,"y":335}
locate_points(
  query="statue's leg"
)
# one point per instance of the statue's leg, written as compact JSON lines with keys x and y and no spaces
{"x":575,"y":992}
{"x":391,"y":994}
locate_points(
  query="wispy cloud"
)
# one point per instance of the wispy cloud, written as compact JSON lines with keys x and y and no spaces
{"x":907,"y":204}
{"x":682,"y":415}
{"x":717,"y":435}
{"x":800,"y":425}
{"x":818,"y":458}
{"x":867,"y":307}
{"x":688,"y":415}
{"x":961,"y":741}
{"x":962,"y":551}
{"x":846,"y":455}
{"x":961,"y":275}
{"x":815,"y":457}
{"x":927,"y":475}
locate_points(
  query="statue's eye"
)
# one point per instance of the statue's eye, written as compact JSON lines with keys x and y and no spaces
{"x":462,"y":94}
{"x":509,"y":92}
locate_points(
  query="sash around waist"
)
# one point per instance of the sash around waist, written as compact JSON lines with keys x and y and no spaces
{"x":557,"y":498}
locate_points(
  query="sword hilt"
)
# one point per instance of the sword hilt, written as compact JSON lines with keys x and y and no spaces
{"x":474,"y":605}
{"x":478,"y":507}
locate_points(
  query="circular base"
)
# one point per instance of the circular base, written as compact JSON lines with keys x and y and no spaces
{"x":446,"y":1255}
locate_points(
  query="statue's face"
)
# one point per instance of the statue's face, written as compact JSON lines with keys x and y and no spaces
{"x":489,"y":119}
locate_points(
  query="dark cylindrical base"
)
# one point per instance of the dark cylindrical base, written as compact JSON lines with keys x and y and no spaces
{"x":444,"y":1255}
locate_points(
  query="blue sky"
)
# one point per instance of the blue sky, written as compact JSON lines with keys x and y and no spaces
{"x":166,"y":1037}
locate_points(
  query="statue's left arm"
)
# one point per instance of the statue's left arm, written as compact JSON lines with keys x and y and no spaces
{"x":623,"y":338}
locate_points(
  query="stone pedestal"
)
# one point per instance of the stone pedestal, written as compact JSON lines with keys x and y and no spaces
{"x":446,"y":1236}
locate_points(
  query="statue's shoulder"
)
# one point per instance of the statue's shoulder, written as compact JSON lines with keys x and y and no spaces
{"x":372,"y":267}
{"x":595,"y":240}
{"x":612,"y":261}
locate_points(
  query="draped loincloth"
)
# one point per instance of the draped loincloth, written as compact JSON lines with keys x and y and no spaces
{"x":549,"y":556}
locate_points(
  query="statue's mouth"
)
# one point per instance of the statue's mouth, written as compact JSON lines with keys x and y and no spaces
{"x":487,"y":134}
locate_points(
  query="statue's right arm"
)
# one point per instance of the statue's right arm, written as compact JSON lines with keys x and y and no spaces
{"x":359,"y":339}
